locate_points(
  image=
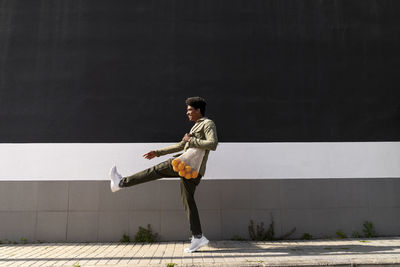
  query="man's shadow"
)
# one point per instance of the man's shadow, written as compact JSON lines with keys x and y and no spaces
{"x":294,"y":248}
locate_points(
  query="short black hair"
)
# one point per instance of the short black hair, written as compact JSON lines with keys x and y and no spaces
{"x":198,"y":103}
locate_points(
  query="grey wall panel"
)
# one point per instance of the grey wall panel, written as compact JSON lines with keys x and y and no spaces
{"x":213,"y":223}
{"x":51,"y":226}
{"x":113,"y":225}
{"x":147,"y":196}
{"x":383,"y":193}
{"x":143,"y":218}
{"x":83,"y":196}
{"x":316,"y":206}
{"x":15,"y":225}
{"x":52,"y":195}
{"x":83,"y":226}
{"x":15,"y":196}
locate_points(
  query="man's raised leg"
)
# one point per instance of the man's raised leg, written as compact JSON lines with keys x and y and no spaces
{"x":161,"y":170}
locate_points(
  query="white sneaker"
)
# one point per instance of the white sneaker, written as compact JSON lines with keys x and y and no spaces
{"x":115,"y":178}
{"x":196,"y":244}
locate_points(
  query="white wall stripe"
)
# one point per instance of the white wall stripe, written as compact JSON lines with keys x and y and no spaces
{"x":230,"y":161}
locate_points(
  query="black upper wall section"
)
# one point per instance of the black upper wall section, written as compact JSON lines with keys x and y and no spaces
{"x":119,"y":71}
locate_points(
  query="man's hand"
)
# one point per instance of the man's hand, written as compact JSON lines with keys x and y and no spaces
{"x":186,"y":137}
{"x":150,"y":155}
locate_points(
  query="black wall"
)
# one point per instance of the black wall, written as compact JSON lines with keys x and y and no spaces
{"x":119,"y":71}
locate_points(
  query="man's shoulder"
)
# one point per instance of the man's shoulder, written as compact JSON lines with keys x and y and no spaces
{"x":209,"y":122}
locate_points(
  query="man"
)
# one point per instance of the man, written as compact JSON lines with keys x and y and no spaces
{"x":202,"y":135}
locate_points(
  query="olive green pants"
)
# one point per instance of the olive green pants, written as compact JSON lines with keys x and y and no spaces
{"x":188,"y":187}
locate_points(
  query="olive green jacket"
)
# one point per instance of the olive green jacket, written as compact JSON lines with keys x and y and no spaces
{"x":204,"y":136}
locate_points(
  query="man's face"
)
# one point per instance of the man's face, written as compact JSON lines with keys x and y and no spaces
{"x":193,"y":114}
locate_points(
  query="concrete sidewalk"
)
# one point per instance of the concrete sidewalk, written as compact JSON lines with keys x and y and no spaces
{"x":351,"y":252}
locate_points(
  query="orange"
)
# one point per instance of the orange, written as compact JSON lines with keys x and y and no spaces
{"x":175,"y":162}
{"x":188,"y":168}
{"x":181,"y":166}
{"x":188,"y":176}
{"x":175,"y":168}
{"x":182,"y":173}
{"x":194,"y":174}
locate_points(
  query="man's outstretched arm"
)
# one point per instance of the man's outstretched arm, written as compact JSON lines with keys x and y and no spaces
{"x":164,"y":151}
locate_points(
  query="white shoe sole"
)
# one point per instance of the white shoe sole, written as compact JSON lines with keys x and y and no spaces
{"x":202,"y":244}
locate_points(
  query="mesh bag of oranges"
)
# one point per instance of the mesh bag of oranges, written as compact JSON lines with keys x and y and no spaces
{"x":188,"y":164}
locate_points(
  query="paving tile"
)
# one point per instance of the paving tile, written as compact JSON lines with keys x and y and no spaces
{"x":371,"y":252}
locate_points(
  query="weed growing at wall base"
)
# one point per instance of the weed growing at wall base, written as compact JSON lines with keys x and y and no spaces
{"x":369,"y":229}
{"x":146,"y":235}
{"x":306,"y":236}
{"x":261,"y":235}
{"x":125,"y":239}
{"x":340,"y":234}
{"x":356,"y":234}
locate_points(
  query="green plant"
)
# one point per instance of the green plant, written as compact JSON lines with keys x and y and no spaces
{"x":146,"y":235}
{"x":77,"y":265}
{"x":356,"y":234}
{"x":171,"y":264}
{"x":306,"y":236}
{"x":369,"y":229}
{"x":23,"y":241}
{"x":237,"y":238}
{"x":260,"y":234}
{"x":340,"y":234}
{"x":125,"y":239}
